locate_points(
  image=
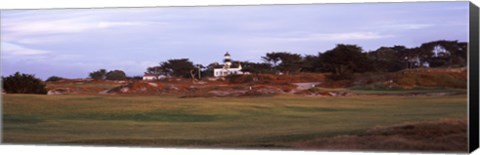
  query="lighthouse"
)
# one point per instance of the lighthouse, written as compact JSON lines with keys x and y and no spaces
{"x":228,"y":68}
{"x":227,"y":61}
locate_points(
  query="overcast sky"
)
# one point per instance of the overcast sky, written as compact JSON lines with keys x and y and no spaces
{"x":73,"y":42}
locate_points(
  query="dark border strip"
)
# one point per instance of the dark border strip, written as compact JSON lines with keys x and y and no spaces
{"x":473,"y":79}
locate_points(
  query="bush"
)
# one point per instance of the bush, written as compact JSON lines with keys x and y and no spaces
{"x":54,"y":78}
{"x":116,"y":75}
{"x":268,"y":79}
{"x":377,"y":86}
{"x":343,"y":76}
{"x":98,"y":75}
{"x":239,"y":78}
{"x":134,"y":77}
{"x":260,"y":78}
{"x":23,"y":83}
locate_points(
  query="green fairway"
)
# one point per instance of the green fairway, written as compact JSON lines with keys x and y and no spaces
{"x":213,"y":122}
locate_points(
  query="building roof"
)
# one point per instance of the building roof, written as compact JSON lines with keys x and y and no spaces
{"x":227,"y":54}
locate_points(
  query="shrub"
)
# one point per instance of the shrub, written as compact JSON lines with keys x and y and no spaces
{"x":135,"y":77}
{"x":239,"y":78}
{"x":116,"y":75}
{"x":23,"y":83}
{"x":377,"y":86}
{"x":343,"y":76}
{"x":260,"y":78}
{"x":267,"y":78}
{"x":98,"y":75}
{"x":54,"y":78}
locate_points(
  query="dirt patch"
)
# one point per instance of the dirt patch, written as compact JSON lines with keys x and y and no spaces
{"x":236,"y":91}
{"x":60,"y":91}
{"x":336,"y":84}
{"x":197,"y":89}
{"x":443,"y":135}
{"x":140,"y":87}
{"x":276,"y":79}
{"x":80,"y":86}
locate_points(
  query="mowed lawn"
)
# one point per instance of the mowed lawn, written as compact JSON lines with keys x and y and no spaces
{"x":240,"y":122}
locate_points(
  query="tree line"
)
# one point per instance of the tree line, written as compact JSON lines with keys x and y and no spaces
{"x":341,"y":61}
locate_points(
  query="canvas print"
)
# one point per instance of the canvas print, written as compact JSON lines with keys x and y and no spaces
{"x":361,"y":77}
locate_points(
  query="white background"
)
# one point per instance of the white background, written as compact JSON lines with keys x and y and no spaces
{"x":83,"y":150}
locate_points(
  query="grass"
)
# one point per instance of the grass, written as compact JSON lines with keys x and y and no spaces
{"x":214,"y":122}
{"x":406,"y":91}
{"x":390,"y":91}
{"x":84,"y":85}
{"x":447,"y":135}
{"x":159,"y":116}
{"x":21,"y":119}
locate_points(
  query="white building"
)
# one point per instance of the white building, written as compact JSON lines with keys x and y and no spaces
{"x":148,"y":76}
{"x":228,"y":68}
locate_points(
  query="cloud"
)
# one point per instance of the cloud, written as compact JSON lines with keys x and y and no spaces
{"x":352,"y":36}
{"x":39,"y":40}
{"x":337,"y":36}
{"x":409,"y":26}
{"x":55,"y":31}
{"x":399,"y":26}
{"x":19,"y":29}
{"x":10,"y":49}
{"x":414,"y":26}
{"x":47,"y":27}
{"x":115,"y":24}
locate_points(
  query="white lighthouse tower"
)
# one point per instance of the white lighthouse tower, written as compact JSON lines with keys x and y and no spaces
{"x":227,"y":61}
{"x":228,"y":67}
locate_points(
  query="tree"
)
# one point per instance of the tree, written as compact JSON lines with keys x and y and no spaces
{"x":402,"y":53}
{"x":272,"y":58}
{"x":422,"y":56}
{"x":288,"y":62}
{"x":116,"y":75}
{"x":208,"y":71}
{"x":386,"y":59}
{"x":461,"y":54}
{"x":310,"y":63}
{"x":443,"y":53}
{"x":155,"y":70}
{"x":23,"y":83}
{"x":344,"y":60}
{"x":411,"y":57}
{"x":98,"y":75}
{"x":256,"y":68}
{"x":178,"y":67}
{"x":197,"y":72}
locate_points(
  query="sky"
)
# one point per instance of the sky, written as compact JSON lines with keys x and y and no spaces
{"x":71,"y":43}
